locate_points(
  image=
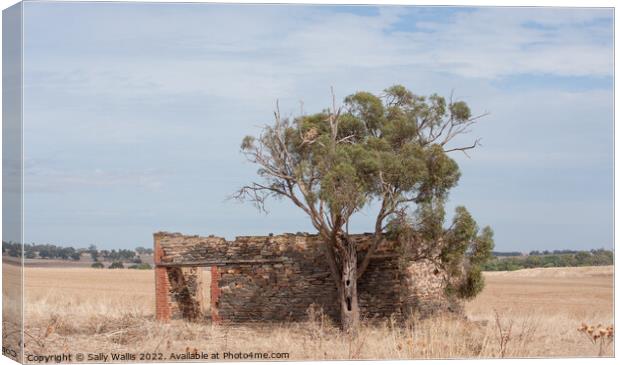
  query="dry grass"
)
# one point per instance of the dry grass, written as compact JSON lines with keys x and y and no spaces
{"x":519,"y":314}
{"x":554,"y":301}
{"x":11,"y":307}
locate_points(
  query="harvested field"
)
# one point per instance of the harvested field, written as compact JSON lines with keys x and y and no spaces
{"x":92,"y":311}
{"x":579,"y":292}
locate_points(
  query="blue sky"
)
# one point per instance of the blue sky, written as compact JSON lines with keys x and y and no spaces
{"x":134,"y":113}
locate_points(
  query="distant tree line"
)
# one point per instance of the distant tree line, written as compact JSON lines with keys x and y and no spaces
{"x":563,"y":258}
{"x":45,"y":251}
{"x":50,"y":251}
{"x":120,"y":255}
{"x":119,"y":265}
{"x":11,"y":249}
{"x":554,"y":252}
{"x":507,"y":254}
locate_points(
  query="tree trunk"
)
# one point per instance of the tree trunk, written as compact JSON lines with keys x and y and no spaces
{"x":349,"y":309}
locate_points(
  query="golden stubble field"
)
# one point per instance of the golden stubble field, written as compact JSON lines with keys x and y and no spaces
{"x":527,"y":313}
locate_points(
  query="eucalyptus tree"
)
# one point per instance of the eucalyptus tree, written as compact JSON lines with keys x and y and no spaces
{"x":390,"y":152}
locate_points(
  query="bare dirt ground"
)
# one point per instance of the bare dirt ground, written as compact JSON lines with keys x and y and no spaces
{"x":526,"y":313}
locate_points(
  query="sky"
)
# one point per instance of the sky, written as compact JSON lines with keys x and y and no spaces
{"x":134,"y":112}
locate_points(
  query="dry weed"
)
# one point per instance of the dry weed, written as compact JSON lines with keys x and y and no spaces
{"x":601,"y":336}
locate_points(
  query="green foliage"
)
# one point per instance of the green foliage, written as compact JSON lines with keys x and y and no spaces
{"x":458,"y":239}
{"x":116,"y":265}
{"x":142,"y":266}
{"x":483,"y":247}
{"x":94,"y":254}
{"x":378,"y":143}
{"x":97,"y":265}
{"x":463,"y":247}
{"x":465,"y":250}
{"x":118,"y":255}
{"x":598,"y":257}
{"x":144,"y":251}
{"x":389,"y":149}
{"x":460,"y":110}
{"x":472,"y":283}
{"x":48,"y":251}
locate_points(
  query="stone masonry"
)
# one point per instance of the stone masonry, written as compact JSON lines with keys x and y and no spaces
{"x":278,"y":278}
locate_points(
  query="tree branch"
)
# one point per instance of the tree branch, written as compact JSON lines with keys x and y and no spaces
{"x":465,"y":149}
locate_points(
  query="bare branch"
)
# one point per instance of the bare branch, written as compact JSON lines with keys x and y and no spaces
{"x":345,"y":139}
{"x":465,"y":149}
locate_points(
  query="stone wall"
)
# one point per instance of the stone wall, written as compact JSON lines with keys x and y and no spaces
{"x":423,"y":285}
{"x":277,"y":278}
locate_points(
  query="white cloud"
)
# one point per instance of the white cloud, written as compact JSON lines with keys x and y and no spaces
{"x":486,"y":43}
{"x":235,"y":53}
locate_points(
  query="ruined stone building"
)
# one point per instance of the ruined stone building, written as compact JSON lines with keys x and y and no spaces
{"x":278,"y":278}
